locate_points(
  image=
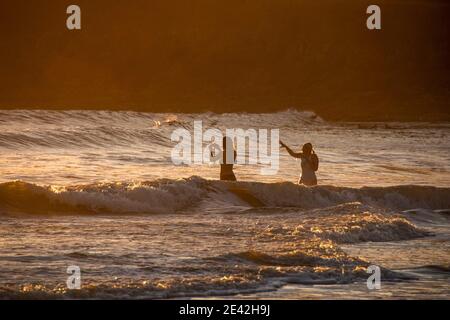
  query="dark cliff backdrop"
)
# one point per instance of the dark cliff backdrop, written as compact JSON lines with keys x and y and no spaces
{"x":229,"y":55}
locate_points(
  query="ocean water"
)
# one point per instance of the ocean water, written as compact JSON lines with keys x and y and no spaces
{"x":98,"y":190}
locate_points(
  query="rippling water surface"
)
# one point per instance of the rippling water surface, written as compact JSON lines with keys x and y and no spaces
{"x":98,"y":190}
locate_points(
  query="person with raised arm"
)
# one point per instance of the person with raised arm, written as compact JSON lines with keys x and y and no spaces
{"x":310,"y":163}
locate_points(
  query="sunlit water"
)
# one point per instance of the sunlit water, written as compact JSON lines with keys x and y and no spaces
{"x":99,"y":190}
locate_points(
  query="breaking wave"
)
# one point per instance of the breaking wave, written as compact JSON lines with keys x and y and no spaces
{"x":94,"y":129}
{"x":169,"y":196}
{"x":304,"y":249}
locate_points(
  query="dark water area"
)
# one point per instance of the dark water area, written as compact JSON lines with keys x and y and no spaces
{"x":230,"y":56}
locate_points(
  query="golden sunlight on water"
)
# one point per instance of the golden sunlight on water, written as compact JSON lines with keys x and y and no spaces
{"x":99,"y":191}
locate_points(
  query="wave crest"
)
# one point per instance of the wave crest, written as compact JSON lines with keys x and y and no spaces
{"x":168,"y":196}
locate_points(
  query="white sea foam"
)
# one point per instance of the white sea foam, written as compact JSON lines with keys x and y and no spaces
{"x":169,"y":196}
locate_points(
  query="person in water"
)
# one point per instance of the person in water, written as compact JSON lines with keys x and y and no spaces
{"x":228,"y":158}
{"x":310,"y":163}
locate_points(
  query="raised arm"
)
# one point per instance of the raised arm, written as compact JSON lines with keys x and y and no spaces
{"x":292,"y":153}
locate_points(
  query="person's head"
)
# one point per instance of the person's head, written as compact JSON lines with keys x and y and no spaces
{"x":307,"y":148}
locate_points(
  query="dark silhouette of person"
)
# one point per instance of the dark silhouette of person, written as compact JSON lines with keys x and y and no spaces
{"x":228,"y":159}
{"x":310,"y":163}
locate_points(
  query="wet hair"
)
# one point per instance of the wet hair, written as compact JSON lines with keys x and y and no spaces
{"x":307,"y":148}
